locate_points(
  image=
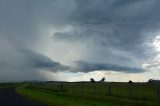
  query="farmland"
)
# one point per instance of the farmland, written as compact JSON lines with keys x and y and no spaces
{"x":91,"y":94}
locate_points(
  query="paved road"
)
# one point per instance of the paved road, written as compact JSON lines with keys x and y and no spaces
{"x":8,"y":97}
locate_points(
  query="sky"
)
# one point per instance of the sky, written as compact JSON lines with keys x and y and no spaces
{"x":75,"y":40}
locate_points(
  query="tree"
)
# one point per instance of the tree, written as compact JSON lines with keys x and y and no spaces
{"x":92,"y":80}
{"x":130,"y":82}
{"x":102,"y":80}
{"x":150,"y":81}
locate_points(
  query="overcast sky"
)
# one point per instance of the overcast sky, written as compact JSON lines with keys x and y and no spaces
{"x":75,"y":40}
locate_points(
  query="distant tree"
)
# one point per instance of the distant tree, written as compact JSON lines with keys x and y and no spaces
{"x":102,"y":80}
{"x":130,"y":82}
{"x":150,"y":81}
{"x":92,"y":80}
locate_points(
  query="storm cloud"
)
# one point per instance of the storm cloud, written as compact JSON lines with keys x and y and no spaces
{"x":114,"y":32}
{"x":17,"y":59}
{"x":77,"y":36}
{"x":89,"y":67}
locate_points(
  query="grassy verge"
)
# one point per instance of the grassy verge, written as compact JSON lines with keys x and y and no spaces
{"x":52,"y":99}
{"x":64,"y":99}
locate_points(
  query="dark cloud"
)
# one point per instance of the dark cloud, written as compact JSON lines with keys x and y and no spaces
{"x":104,"y":34}
{"x":22,"y":63}
{"x":89,"y":67}
{"x":114,"y":32}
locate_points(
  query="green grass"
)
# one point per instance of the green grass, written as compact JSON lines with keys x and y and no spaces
{"x":55,"y":99}
{"x":87,"y":94}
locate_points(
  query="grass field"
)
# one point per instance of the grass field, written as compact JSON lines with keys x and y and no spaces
{"x":91,"y":94}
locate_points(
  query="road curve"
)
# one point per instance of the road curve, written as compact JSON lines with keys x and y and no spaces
{"x":8,"y":97}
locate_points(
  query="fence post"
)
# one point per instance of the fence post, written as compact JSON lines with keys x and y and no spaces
{"x":61,"y":87}
{"x":158,"y":95}
{"x":82,"y":88}
{"x":94,"y":86}
{"x":130,"y":90}
{"x":109,"y":90}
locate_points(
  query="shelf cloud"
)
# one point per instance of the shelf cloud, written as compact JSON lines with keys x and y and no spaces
{"x":78,"y":36}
